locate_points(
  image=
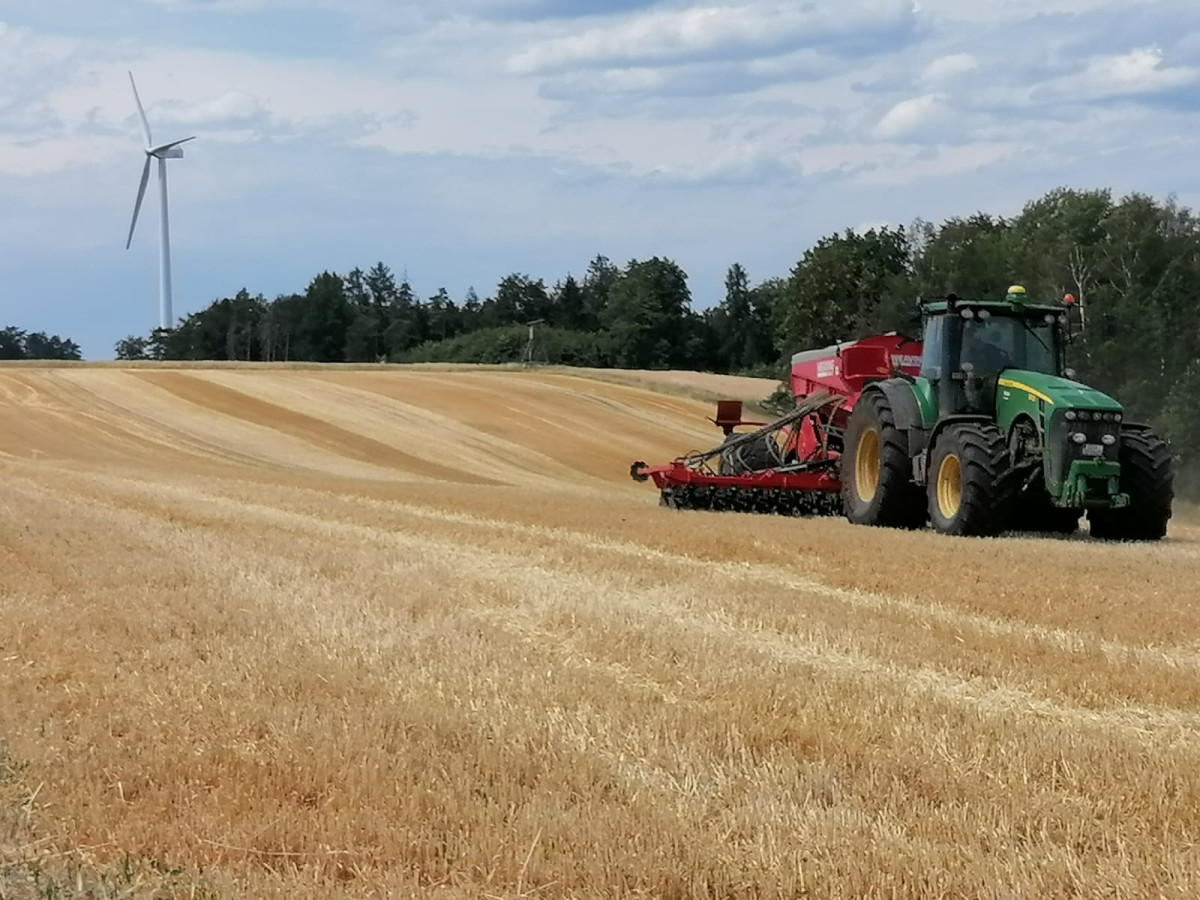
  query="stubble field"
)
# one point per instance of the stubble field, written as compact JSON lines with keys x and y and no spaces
{"x":314,"y":633}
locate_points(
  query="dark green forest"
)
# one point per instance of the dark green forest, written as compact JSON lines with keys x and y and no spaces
{"x":1133,"y":263}
{"x":16,"y":343}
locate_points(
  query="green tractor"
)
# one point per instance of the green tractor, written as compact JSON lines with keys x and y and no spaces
{"x":995,"y":435}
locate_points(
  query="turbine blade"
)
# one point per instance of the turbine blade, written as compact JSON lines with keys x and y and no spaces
{"x":141,"y":111}
{"x":138,"y":205}
{"x":162,"y":149}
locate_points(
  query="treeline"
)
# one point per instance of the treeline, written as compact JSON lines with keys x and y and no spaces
{"x":1133,"y":263}
{"x":637,"y":316}
{"x":16,"y":343}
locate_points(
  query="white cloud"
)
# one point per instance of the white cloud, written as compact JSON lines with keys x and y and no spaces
{"x":619,"y":81}
{"x":1137,"y":72}
{"x":34,"y":136}
{"x":807,"y":63}
{"x":225,"y":97}
{"x":911,"y":115}
{"x":904,"y":166}
{"x":994,"y":13}
{"x":632,"y":119}
{"x":30,"y":63}
{"x":674,"y":34}
{"x":228,"y":5}
{"x":229,"y":108}
{"x":946,"y":68}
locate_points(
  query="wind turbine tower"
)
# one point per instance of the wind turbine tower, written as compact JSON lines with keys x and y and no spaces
{"x":162,"y":153}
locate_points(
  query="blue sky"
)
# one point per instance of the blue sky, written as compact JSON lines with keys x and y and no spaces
{"x":460,"y":140}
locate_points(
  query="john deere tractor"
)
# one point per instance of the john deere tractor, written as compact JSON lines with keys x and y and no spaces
{"x":995,"y":434}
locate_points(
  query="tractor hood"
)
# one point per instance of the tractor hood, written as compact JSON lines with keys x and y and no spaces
{"x":1062,"y":393}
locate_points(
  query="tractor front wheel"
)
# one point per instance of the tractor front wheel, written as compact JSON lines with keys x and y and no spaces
{"x":1148,"y":476}
{"x":971,"y":484}
{"x":877,"y":486}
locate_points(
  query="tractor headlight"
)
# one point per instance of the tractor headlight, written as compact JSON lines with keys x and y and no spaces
{"x":1079,"y":437}
{"x":1108,"y":440}
{"x":1071,"y":415}
{"x":1117,"y":417}
{"x":1084,"y":415}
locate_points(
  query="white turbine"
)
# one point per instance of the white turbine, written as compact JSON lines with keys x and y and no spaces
{"x":162,"y":153}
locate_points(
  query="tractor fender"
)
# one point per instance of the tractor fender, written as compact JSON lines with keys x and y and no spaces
{"x":943,"y":424}
{"x":907,"y":414}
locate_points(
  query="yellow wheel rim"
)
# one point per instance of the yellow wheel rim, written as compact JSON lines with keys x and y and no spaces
{"x":866,"y":465}
{"x":949,"y":486}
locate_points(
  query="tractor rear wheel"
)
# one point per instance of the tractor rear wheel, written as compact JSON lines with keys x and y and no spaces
{"x":876,"y":473}
{"x":972,"y":484}
{"x":1147,"y":475}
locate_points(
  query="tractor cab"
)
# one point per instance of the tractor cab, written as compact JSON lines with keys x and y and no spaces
{"x":969,"y":344}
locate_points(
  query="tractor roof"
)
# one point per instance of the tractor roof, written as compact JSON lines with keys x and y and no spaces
{"x":1016,"y":302}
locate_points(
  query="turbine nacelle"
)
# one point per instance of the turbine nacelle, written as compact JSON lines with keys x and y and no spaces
{"x":169,"y":151}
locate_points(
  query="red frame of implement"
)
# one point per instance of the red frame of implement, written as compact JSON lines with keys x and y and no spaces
{"x":838,"y":374}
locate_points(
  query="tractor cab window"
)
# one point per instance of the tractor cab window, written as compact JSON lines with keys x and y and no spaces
{"x":999,"y":342}
{"x":931,"y":354}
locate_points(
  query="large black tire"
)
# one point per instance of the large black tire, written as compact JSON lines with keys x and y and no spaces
{"x":753,"y":456}
{"x":1148,"y":476}
{"x":972,"y":484}
{"x":876,"y":472}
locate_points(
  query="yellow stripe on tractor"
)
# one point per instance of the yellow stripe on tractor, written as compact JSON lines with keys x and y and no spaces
{"x":1016,"y":385}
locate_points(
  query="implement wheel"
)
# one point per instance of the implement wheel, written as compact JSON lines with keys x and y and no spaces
{"x":1148,"y":476}
{"x":972,"y":483}
{"x":877,"y":485}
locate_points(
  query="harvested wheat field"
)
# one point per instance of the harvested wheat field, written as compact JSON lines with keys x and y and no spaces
{"x":317,"y":633}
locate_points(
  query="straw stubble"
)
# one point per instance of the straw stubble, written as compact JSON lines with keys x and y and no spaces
{"x":311,"y":633}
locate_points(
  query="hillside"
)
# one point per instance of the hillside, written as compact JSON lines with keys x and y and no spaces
{"x":486,"y":427}
{"x":320,"y":632}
